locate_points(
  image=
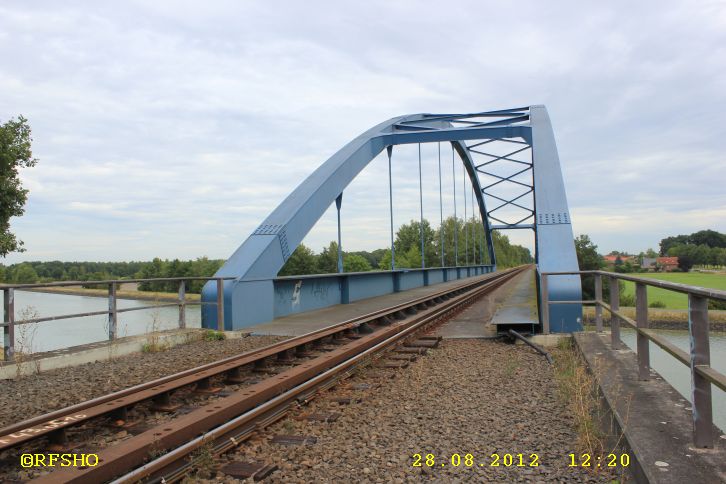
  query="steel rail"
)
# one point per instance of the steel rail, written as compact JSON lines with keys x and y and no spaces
{"x":174,"y":465}
{"x":134,"y":451}
{"x":34,"y":428}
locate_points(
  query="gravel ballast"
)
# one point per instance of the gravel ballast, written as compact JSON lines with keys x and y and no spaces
{"x":473,"y":397}
{"x":37,"y":394}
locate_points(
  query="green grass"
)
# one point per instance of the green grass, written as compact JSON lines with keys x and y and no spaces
{"x":675,"y":300}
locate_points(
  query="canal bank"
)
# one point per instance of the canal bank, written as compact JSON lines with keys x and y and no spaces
{"x":125,"y":291}
{"x":661,"y":318}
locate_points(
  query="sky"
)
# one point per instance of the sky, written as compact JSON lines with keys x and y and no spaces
{"x":172,"y":129}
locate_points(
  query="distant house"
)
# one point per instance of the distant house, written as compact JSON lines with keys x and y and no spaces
{"x":667,"y":264}
{"x":648,"y":263}
{"x":612,"y":259}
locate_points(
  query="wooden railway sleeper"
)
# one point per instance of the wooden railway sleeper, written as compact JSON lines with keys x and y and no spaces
{"x":162,"y":403}
{"x":234,"y":376}
{"x":285,"y":356}
{"x":364,"y":328}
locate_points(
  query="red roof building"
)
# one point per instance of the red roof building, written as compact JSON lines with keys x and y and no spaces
{"x":611,"y":259}
{"x":667,"y":263}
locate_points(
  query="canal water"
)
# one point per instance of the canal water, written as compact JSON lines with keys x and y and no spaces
{"x":678,"y":374}
{"x":52,"y":335}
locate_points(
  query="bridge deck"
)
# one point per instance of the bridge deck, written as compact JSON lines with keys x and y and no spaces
{"x":513,"y":304}
{"x":510,"y":304}
{"x":302,"y":323}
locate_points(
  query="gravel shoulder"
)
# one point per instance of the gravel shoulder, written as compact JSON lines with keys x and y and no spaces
{"x":34,"y":395}
{"x":473,"y":397}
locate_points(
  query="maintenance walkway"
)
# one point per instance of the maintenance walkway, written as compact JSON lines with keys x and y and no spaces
{"x":514,"y":304}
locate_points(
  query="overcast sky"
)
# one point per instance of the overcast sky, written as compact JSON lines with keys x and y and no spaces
{"x":172,"y":129}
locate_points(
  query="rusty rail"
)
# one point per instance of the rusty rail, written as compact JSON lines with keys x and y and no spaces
{"x":699,"y":361}
{"x":37,"y":427}
{"x":227,"y":421}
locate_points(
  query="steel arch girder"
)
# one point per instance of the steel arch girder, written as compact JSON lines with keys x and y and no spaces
{"x":554,"y":240}
{"x":249,"y":298}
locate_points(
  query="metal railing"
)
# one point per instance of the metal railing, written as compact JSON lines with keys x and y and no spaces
{"x":699,"y":359}
{"x":9,"y":321}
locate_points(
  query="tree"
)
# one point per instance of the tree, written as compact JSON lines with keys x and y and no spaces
{"x":385,"y":263}
{"x":409,"y":235}
{"x":302,"y":261}
{"x":686,"y":261}
{"x":328,"y":259}
{"x":452,"y":228}
{"x":373,"y":258}
{"x":588,"y":260}
{"x":711,"y":238}
{"x":509,"y":255}
{"x":410,"y":260}
{"x":402,"y":260}
{"x":152,"y":270}
{"x":668,"y":242}
{"x":15,"y":153}
{"x":25,"y":274}
{"x":587,"y":257}
{"x":356,"y":263}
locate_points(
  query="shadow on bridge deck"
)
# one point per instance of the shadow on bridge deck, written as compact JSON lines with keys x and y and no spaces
{"x":510,"y":306}
{"x":302,"y":323}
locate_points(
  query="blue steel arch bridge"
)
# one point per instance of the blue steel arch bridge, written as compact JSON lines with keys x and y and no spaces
{"x":510,"y":159}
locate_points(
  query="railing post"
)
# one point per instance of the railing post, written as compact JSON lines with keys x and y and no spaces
{"x":545,"y":304}
{"x":220,"y":304}
{"x":182,"y":303}
{"x":112,"y":314}
{"x":641,"y":319}
{"x":598,"y":301}
{"x":700,"y":356}
{"x":615,"y":306}
{"x":9,"y":328}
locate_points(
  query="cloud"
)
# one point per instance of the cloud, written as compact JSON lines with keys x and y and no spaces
{"x":173,"y":129}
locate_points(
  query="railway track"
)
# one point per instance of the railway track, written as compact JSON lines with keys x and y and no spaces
{"x":295,"y":370}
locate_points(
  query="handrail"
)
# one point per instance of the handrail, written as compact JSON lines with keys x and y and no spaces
{"x":671,"y":286}
{"x":8,"y":324}
{"x":699,"y":361}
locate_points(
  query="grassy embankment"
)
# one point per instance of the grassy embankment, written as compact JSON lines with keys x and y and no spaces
{"x":676,"y":300}
{"x":676,"y":304}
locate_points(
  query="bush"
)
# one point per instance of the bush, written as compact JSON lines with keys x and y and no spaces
{"x":627,"y":300}
{"x":657,"y":304}
{"x":212,"y":335}
{"x":154,"y":347}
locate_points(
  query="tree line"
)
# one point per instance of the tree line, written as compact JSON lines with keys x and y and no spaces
{"x":703,"y":248}
{"x":407,"y":248}
{"x":34,"y":272}
{"x":462,"y":241}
